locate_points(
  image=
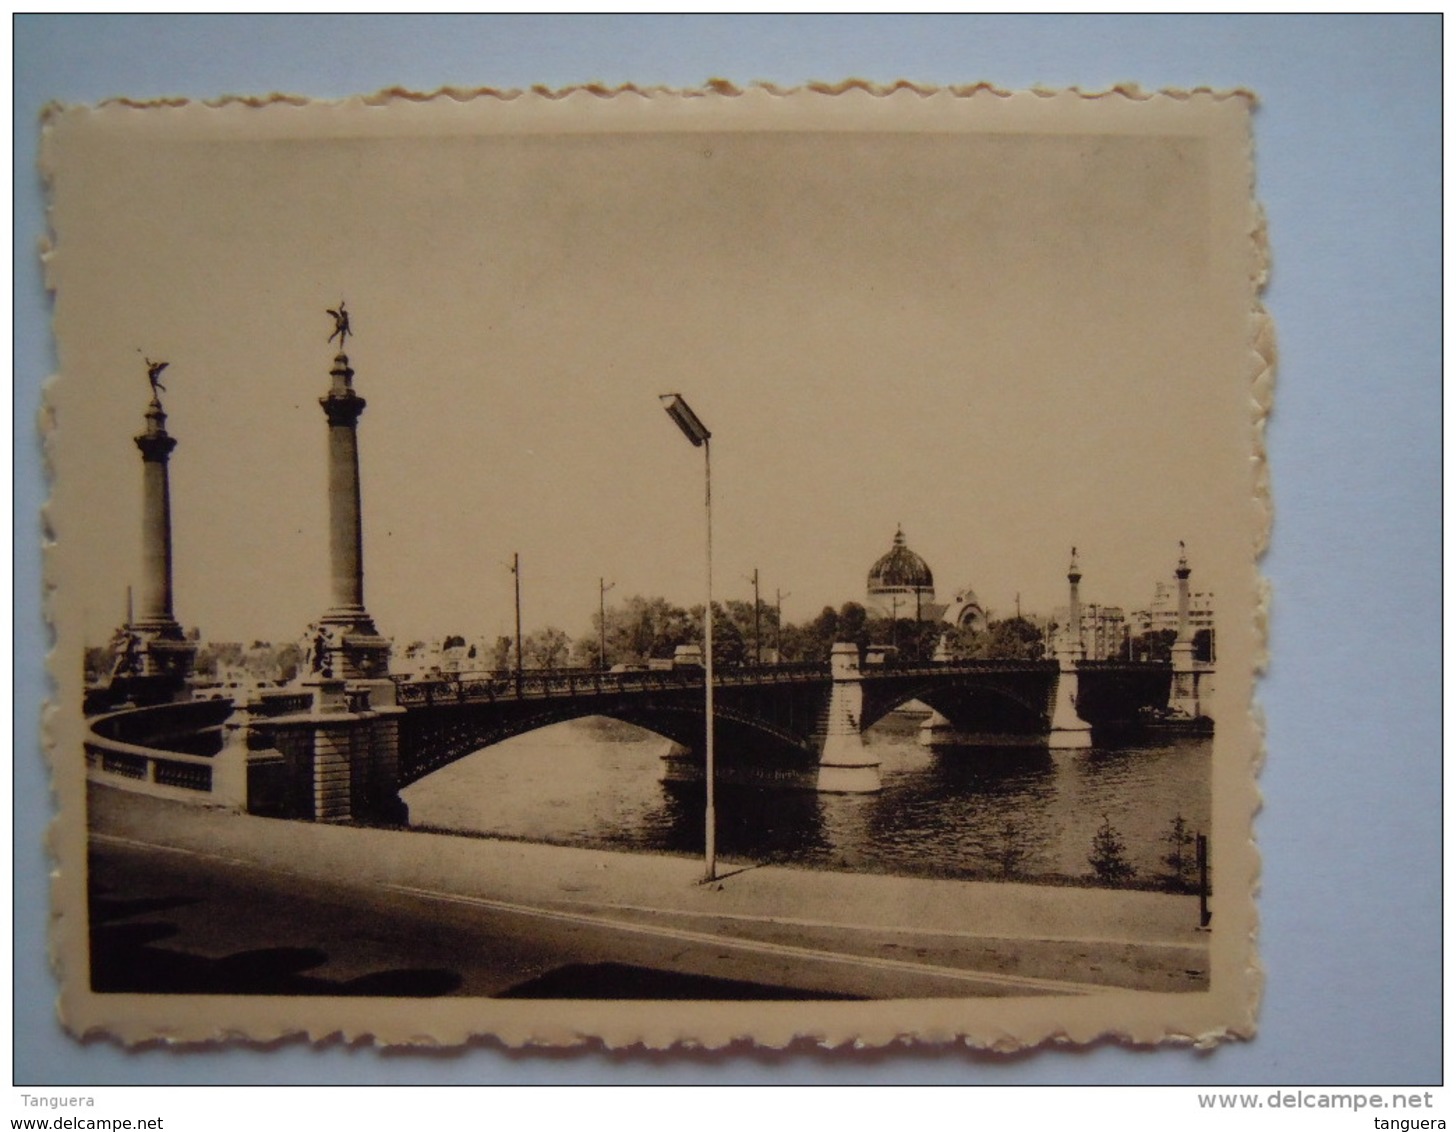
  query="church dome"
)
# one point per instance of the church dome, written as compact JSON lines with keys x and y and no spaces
{"x":901,"y":571}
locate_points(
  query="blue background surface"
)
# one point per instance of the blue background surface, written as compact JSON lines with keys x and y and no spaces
{"x":1348,"y":138}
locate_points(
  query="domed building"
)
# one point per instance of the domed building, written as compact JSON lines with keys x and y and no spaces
{"x":901,"y":584}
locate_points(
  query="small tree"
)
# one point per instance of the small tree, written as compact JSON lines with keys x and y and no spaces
{"x":546,"y":649}
{"x":502,"y":653}
{"x":99,"y":660}
{"x":288,"y":658}
{"x":1109,"y":855}
{"x":1179,"y":858}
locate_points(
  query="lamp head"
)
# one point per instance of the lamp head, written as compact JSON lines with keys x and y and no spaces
{"x":686,"y":419}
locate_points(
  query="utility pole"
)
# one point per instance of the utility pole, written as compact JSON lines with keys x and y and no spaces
{"x":602,"y":587}
{"x":516,"y":573}
{"x":757,"y":651}
{"x":779,"y":618}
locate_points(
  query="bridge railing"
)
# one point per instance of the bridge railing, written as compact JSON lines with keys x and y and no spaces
{"x":275,"y":702}
{"x":471,"y":687}
{"x":498,"y":686}
{"x":125,"y":745}
{"x":495,"y":686}
{"x":164,"y":723}
{"x":900,"y":671}
{"x":1123,"y":665}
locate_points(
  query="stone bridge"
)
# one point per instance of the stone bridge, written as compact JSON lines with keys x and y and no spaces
{"x":341,"y":744}
{"x":333,"y":750}
{"x":803,"y":723}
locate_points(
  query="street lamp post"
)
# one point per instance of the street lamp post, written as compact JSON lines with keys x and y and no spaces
{"x":698,"y":434}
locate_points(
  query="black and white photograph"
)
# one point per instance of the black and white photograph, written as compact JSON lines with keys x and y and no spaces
{"x":658,"y":567}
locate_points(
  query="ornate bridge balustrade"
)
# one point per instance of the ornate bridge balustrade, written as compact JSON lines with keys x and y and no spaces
{"x":170,"y":750}
{"x":475,"y":687}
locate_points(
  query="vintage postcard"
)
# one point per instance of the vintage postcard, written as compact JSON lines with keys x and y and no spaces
{"x":658,"y":568}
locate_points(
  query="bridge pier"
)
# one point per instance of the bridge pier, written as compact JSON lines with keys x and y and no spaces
{"x":1192,"y":687}
{"x":846,"y":765}
{"x":328,"y":751}
{"x":937,"y":731}
{"x":1068,"y":730}
{"x":328,"y":748}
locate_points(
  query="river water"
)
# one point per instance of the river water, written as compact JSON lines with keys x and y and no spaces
{"x":956,"y":812}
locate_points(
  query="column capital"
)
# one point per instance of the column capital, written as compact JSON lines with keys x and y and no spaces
{"x":341,"y":404}
{"x":342,"y":409}
{"x":156,"y":446}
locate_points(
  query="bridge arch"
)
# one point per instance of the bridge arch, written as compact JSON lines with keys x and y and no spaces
{"x":434,"y":737}
{"x":976,"y":701}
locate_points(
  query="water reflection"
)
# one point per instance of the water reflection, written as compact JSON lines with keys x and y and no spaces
{"x":964,"y":811}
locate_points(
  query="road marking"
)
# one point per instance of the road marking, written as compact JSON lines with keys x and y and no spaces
{"x":133,"y":843}
{"x":787,"y":951}
{"x":890,"y":929}
{"x":1062,"y":986}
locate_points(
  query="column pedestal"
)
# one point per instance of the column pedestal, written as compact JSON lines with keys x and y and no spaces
{"x":1183,"y":698}
{"x":347,"y":646}
{"x":327,"y":751}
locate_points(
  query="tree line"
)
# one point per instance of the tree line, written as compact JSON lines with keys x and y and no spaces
{"x":640,"y":629}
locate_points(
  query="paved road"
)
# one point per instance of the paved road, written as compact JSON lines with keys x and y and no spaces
{"x":169,"y":919}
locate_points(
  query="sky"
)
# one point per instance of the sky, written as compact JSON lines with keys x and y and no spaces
{"x":1008,"y":341}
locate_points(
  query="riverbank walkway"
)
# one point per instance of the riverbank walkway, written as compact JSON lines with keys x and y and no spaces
{"x":996,"y":937}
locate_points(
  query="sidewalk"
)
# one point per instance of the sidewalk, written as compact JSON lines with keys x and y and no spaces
{"x":633,"y":883}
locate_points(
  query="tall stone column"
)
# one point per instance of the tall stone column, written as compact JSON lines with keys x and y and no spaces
{"x":1183,"y":699}
{"x":1074,"y":606}
{"x":1068,"y":730}
{"x":346,"y":644}
{"x":1185,"y":633}
{"x":153,"y":643}
{"x":342,"y":406}
{"x":156,"y":448}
